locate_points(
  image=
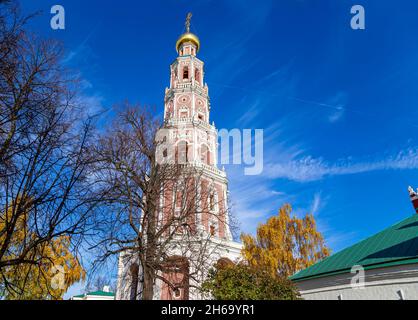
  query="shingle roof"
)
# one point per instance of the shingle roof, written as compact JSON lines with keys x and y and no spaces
{"x":395,"y":245}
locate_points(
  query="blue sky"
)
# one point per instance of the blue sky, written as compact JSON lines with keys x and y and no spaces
{"x":338,"y":106}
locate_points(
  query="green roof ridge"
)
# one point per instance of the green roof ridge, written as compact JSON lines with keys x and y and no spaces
{"x":371,"y":252}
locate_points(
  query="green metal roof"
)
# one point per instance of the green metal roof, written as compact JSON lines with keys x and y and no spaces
{"x":96,"y":293}
{"x":396,"y":245}
{"x":101,"y":293}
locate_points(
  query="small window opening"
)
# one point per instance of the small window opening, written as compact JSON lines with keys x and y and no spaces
{"x":177,"y":293}
{"x":212,"y":230}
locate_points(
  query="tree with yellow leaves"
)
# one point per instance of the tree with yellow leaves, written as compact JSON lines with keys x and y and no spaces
{"x":285,"y":244}
{"x":47,"y":270}
{"x":48,"y":200}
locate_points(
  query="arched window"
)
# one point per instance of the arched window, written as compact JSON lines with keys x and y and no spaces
{"x":208,"y":158}
{"x":204,"y":154}
{"x":182,"y":151}
{"x":134,"y":273}
{"x":197,"y":75}
{"x":212,"y":230}
{"x":185,"y":72}
{"x":213,"y":202}
{"x":176,"y":272}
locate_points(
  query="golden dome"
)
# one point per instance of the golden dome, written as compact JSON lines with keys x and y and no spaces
{"x":188,"y":37}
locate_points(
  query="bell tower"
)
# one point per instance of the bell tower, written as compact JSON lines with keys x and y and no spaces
{"x":192,"y":142}
{"x":187,"y":114}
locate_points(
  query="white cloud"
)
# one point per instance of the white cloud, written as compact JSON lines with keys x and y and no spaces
{"x":277,"y":193}
{"x":91,"y":104}
{"x":307,"y":168}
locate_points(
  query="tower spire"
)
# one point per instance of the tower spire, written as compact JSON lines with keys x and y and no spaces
{"x":414,"y":198}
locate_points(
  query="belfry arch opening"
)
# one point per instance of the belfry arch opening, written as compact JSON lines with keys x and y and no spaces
{"x":185,"y":73}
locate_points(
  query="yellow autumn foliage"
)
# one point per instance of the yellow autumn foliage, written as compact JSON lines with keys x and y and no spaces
{"x":50,"y":269}
{"x":285,"y":244}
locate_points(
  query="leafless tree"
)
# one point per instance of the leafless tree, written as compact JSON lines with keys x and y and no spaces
{"x":153,"y":208}
{"x":44,"y":138}
{"x":99,"y":282}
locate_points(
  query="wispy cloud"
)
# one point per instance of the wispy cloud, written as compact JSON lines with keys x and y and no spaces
{"x":340,"y":102}
{"x":307,"y":168}
{"x":82,"y":49}
{"x":336,"y":105}
{"x":316,"y":203}
{"x":91,"y":104}
{"x":227,"y":67}
{"x":249,"y":115}
{"x":253,"y":199}
{"x":336,"y":115}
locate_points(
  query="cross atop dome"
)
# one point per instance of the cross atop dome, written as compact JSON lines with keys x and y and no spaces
{"x":188,"y":43}
{"x":187,"y":23}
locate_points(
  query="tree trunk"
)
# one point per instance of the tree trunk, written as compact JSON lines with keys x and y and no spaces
{"x":150,"y":251}
{"x":148,"y":290}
